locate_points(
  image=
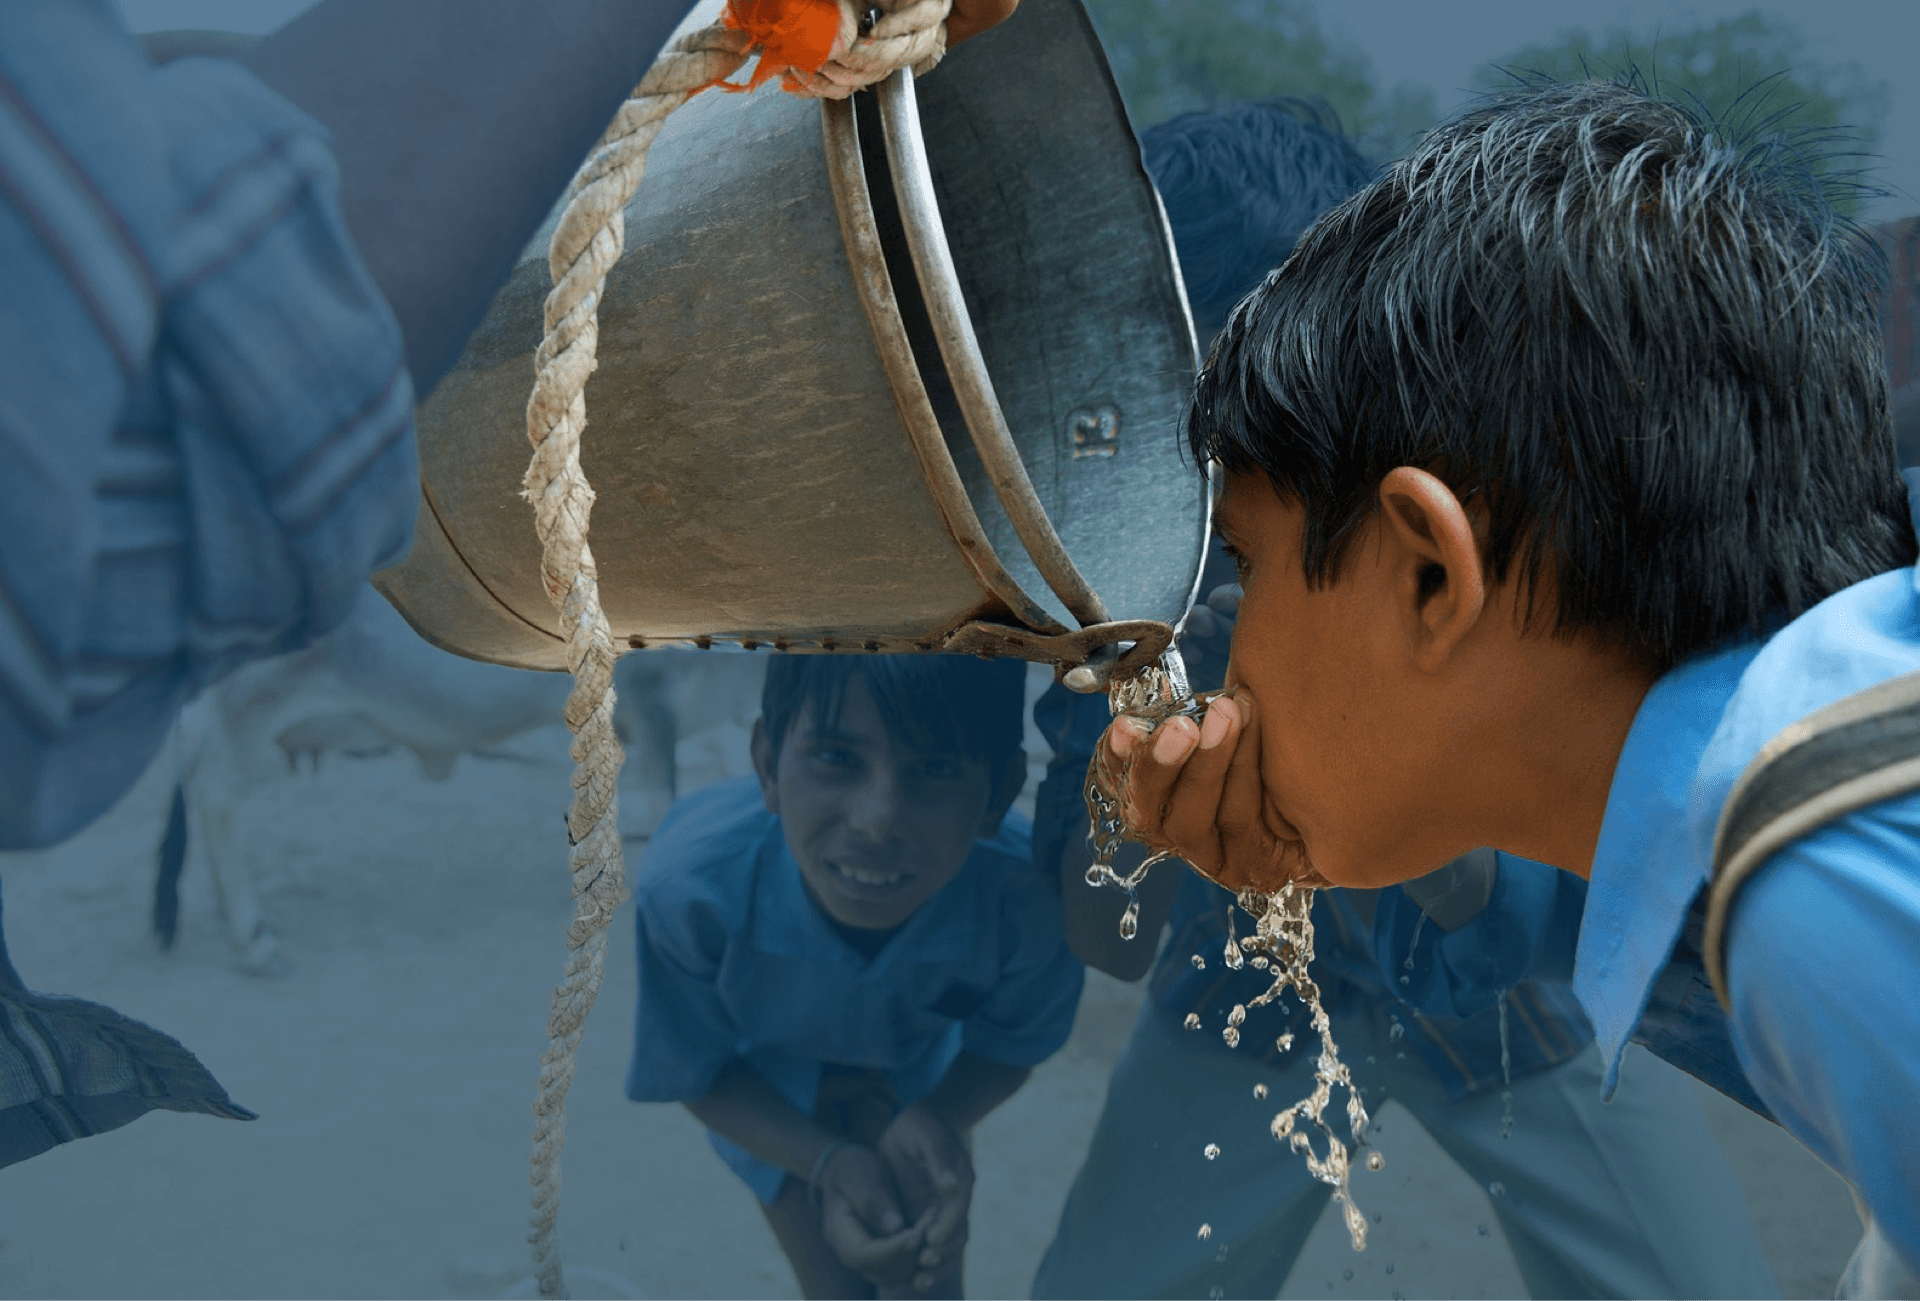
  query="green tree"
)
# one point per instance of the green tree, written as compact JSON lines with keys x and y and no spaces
{"x":1744,"y":72}
{"x":1178,"y":56}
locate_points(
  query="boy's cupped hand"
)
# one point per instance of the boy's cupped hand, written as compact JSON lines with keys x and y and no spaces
{"x":1195,"y":789}
{"x":929,"y":1162}
{"x":862,"y":1221}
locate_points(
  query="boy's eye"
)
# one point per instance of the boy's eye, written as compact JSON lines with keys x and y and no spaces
{"x":1240,"y":565}
{"x":940,"y":769}
{"x":834,"y":756}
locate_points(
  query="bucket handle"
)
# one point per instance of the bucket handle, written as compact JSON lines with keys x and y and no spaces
{"x":860,"y":233}
{"x":960,"y":350}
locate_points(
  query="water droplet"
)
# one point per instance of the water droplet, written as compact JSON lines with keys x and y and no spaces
{"x":1497,"y":1189}
{"x":1096,"y":875}
{"x":1233,"y":957}
{"x":1259,"y":962}
{"x":1346,"y":1274}
{"x":1238,"y":1016}
{"x":1483,"y":1231}
{"x":1284,"y":1042}
{"x":1397,"y":1032}
{"x":1369,"y":1059}
{"x":1406,"y":980}
{"x":1232,"y":1036}
{"x":1193,"y":1021}
{"x":1376,"y":1217}
{"x":1389,"y":1267}
{"x":1211,"y":1150}
{"x":1215,"y":1293}
{"x":1199,"y":963}
{"x":1206,"y":1231}
{"x":1375,"y":1161}
{"x":1130,"y":920}
{"x":1220,"y":1256}
{"x":1259,"y":1090}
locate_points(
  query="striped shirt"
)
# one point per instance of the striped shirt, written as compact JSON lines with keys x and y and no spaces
{"x":206,"y":438}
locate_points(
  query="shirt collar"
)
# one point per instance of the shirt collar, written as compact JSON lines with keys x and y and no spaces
{"x":1645,"y":871}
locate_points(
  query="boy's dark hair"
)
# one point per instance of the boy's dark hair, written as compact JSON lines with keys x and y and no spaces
{"x":944,"y":704}
{"x":1651,"y":352}
{"x":1239,"y":186}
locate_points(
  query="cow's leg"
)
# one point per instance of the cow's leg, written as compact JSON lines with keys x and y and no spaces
{"x":644,"y":721}
{"x":215,"y":783}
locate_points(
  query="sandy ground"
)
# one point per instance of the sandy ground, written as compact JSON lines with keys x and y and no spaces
{"x":393,"y":1068}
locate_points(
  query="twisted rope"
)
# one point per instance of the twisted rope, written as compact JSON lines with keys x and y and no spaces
{"x":587,"y":241}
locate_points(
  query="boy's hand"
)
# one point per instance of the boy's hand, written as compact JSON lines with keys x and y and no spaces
{"x":929,"y":1161}
{"x":863,"y":1223}
{"x":1196,"y":790}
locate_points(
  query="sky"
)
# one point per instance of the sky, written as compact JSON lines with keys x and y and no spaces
{"x":1440,"y":44}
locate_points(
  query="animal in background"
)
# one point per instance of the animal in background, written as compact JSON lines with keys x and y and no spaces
{"x":374,"y":686}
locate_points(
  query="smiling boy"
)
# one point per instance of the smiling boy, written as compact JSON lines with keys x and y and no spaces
{"x":1560,"y":467}
{"x":849,"y":960}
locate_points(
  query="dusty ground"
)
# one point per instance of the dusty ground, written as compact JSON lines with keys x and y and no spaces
{"x":393,"y":1068}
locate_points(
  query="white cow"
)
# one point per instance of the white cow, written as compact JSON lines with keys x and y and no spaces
{"x":374,"y":685}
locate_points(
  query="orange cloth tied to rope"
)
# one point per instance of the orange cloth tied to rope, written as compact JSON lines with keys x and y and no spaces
{"x":794,"y":37}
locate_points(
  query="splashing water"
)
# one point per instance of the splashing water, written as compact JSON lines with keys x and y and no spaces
{"x":1211,"y":1151}
{"x":1283,"y":936}
{"x":1506,"y":1073}
{"x":1259,"y":1090}
{"x":1193,"y":1021}
{"x":1199,"y":963}
{"x":1206,"y":1231}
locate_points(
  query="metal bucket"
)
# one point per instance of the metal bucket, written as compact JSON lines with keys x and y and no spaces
{"x":827,"y":419}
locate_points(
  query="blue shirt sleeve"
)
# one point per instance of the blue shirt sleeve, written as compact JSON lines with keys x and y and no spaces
{"x":1029,"y":1012}
{"x":683,"y":1033}
{"x":1823,"y":944}
{"x":1529,"y":930}
{"x":206,"y":439}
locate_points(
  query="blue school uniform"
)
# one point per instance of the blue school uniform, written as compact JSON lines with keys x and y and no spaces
{"x":737,"y":961}
{"x":1823,"y":942}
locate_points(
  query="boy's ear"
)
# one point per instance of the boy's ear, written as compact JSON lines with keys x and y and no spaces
{"x":1433,"y":560}
{"x":761,"y":748}
{"x":1009,"y":776}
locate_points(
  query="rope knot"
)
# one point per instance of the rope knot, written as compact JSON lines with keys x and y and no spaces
{"x":828,"y":49}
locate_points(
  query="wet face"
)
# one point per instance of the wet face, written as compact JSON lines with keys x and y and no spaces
{"x":876,"y":824}
{"x":1349,"y":728}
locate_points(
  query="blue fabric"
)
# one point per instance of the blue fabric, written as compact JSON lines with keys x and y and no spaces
{"x":737,"y":961}
{"x":1824,"y":940}
{"x":206,"y":438}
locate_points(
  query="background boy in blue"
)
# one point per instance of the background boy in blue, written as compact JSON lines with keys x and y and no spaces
{"x":1560,"y":465}
{"x":1631,"y":1199}
{"x":848,"y":960}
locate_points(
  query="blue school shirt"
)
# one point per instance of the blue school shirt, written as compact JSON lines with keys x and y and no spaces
{"x":1823,"y":942}
{"x":737,"y":961}
{"x":206,"y":422}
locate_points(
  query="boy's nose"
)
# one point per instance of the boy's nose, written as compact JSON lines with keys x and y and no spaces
{"x":876,"y":807}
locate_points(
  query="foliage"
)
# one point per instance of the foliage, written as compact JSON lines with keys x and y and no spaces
{"x":1178,"y":56}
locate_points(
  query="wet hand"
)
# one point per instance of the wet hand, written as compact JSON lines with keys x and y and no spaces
{"x":1196,"y":790}
{"x":929,"y":1162}
{"x":863,"y":1223}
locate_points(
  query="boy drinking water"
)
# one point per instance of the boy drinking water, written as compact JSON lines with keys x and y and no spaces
{"x":848,"y":960}
{"x":1561,"y":473}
